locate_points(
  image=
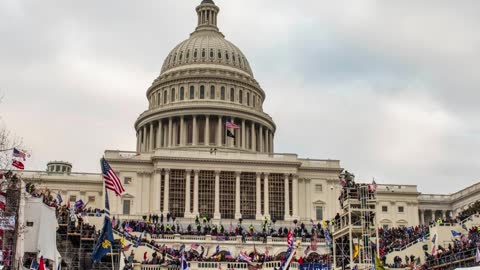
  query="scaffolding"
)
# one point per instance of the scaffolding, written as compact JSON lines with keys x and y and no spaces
{"x":355,"y":233}
{"x":76,"y":242}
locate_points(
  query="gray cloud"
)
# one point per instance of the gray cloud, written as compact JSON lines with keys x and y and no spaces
{"x":391,"y":89}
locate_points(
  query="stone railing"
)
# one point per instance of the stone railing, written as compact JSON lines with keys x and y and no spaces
{"x":214,"y":266}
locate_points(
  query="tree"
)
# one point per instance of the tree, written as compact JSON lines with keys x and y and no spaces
{"x":7,"y":143}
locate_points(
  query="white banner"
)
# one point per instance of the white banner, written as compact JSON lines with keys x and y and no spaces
{"x":7,"y":223}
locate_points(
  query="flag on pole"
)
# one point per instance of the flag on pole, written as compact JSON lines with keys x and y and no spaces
{"x":184,"y":265}
{"x":18,"y":164}
{"x":79,"y":204}
{"x":19,"y":154}
{"x":105,"y":240}
{"x":378,"y":264}
{"x":455,"y":233}
{"x":42,"y":264}
{"x":231,"y":124}
{"x":112,"y":182}
{"x":59,"y":198}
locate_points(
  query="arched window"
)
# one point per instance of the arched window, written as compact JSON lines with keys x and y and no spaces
{"x":248,"y":98}
{"x":212,"y":92}
{"x":240,"y":96}
{"x":181,"y":56}
{"x":165,"y":97}
{"x":219,"y":54}
{"x":188,"y":54}
{"x":233,"y":56}
{"x":254,"y":101}
{"x":175,"y":58}
{"x":159,"y":99}
{"x":226,"y":55}
{"x":204,"y":53}
{"x":182,"y":93}
{"x":211,"y":53}
{"x":192,"y":92}
{"x":222,"y":93}
{"x":232,"y":95}
{"x":195,"y":53}
{"x":202,"y":92}
{"x":172,"y":97}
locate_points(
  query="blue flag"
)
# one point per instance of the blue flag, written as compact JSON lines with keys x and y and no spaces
{"x":79,"y":204}
{"x":59,"y":198}
{"x":455,"y":233}
{"x":105,"y":240}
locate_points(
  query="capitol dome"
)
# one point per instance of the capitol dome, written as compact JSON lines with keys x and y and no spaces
{"x":205,"y":97}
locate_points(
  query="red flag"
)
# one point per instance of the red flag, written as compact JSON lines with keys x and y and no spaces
{"x":18,"y":164}
{"x":42,"y":264}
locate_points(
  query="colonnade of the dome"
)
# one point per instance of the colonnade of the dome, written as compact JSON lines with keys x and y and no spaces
{"x":209,"y":131}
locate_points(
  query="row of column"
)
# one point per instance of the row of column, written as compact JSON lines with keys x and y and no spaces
{"x":159,"y":134}
{"x":433,"y":217}
{"x":217,"y":214}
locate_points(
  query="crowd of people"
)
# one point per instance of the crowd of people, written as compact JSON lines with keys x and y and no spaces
{"x":398,"y":237}
{"x":462,"y":247}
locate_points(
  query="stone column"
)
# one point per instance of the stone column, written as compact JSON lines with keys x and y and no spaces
{"x":266,"y":202}
{"x":207,"y":130}
{"x":287,"y":197}
{"x":260,"y":139}
{"x":170,"y":124}
{"x":144,"y":133}
{"x":444,"y":214}
{"x":422,"y":216}
{"x":139,"y":140}
{"x":150,"y":144}
{"x":267,"y":140}
{"x":195,"y":193}
{"x":433,"y":215}
{"x":238,"y":214}
{"x":295,"y":196}
{"x":166,"y":191}
{"x":219,"y":131}
{"x":195,"y":132}
{"x":182,"y":131}
{"x":243,"y":134}
{"x":271,"y":142}
{"x":157,"y":191}
{"x":216,"y":214}
{"x":254,"y":139}
{"x":159,"y":134}
{"x":258,"y":201}
{"x":187,"y":194}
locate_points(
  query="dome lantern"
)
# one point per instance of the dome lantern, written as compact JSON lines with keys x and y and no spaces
{"x":207,"y":13}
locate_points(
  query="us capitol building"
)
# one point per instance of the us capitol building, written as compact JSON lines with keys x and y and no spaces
{"x":188,"y":162}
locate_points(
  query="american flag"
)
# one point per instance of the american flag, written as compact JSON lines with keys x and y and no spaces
{"x":290,"y":238}
{"x":111,"y":179}
{"x":18,"y":164}
{"x":18,"y":153}
{"x":231,"y":124}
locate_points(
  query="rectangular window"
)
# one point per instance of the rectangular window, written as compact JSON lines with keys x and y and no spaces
{"x":319,"y":213}
{"x":254,"y":101}
{"x":248,"y":99}
{"x":91,"y":199}
{"x":384,"y":209}
{"x":182,"y":93}
{"x":232,"y":95}
{"x":73,"y":198}
{"x":126,"y":207}
{"x":173,"y":95}
{"x":318,"y":188}
{"x":212,"y":92}
{"x":401,"y":209}
{"x":127,"y":180}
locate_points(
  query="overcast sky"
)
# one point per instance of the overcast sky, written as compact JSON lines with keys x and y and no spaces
{"x":391,"y":88}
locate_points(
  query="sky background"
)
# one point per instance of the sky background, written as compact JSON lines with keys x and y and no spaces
{"x":390,"y":88}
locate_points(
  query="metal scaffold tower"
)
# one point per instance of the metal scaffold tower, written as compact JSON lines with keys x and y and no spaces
{"x":354,"y":229}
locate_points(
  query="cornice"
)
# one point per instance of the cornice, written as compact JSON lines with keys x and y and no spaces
{"x":204,"y":108}
{"x":230,"y":161}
